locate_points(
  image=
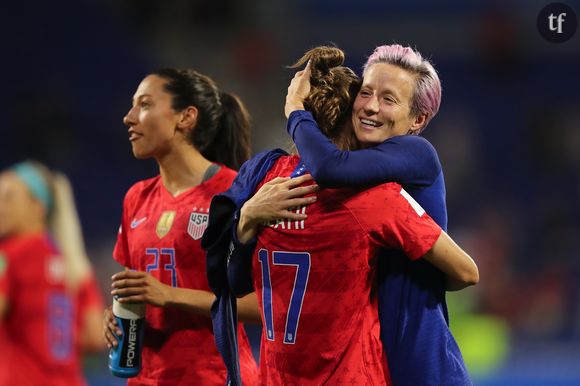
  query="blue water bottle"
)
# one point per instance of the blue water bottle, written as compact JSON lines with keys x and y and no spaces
{"x":125,"y":359}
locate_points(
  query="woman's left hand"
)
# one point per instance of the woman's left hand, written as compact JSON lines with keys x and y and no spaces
{"x":136,"y":286}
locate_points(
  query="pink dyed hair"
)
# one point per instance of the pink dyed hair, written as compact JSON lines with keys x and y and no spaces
{"x":427,"y":93}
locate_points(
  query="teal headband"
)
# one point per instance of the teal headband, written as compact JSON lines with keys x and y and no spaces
{"x":34,"y":181}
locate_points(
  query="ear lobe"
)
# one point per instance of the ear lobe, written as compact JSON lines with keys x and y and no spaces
{"x":418,"y":124}
{"x":188,"y":118}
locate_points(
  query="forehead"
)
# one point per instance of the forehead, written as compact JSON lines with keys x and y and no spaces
{"x":386,"y":77}
{"x":152,"y":85}
{"x":9,"y":182}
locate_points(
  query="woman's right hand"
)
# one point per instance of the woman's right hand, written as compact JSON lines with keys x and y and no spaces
{"x":274,"y":201}
{"x":298,"y":91}
{"x":110,"y":328}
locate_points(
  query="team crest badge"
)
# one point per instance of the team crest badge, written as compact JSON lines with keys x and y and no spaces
{"x":165,"y":223}
{"x":197,"y":224}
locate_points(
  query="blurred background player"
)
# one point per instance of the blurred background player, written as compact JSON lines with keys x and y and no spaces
{"x":50,"y":304}
{"x":399,"y":95}
{"x":197,"y":135}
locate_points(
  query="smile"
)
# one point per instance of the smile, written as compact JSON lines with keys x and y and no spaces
{"x":133,"y":136}
{"x":369,"y":122}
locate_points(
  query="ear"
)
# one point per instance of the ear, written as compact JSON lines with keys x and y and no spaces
{"x":187,"y":119}
{"x":418,"y":123}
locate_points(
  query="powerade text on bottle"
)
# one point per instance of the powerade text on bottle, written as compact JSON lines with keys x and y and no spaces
{"x":125,"y":359}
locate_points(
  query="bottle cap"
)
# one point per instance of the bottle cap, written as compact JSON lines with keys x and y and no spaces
{"x":128,"y":310}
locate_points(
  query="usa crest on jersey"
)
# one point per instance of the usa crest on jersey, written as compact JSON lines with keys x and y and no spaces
{"x":197,"y":224}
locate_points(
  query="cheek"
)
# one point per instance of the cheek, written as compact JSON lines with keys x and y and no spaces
{"x":357,"y":105}
{"x":7,"y":217}
{"x":159,"y":125}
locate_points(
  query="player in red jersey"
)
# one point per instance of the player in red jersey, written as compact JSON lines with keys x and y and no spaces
{"x":315,"y":274}
{"x":50,"y":304}
{"x":196,"y":134}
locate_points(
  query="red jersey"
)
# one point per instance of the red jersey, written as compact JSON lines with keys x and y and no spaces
{"x":39,"y":333}
{"x":315,"y":280}
{"x":161,"y":234}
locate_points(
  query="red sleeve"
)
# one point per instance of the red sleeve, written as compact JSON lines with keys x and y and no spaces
{"x":121,"y":250}
{"x":393,"y":219}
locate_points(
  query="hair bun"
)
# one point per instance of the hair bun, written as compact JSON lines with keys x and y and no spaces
{"x":325,"y":58}
{"x":322,"y":59}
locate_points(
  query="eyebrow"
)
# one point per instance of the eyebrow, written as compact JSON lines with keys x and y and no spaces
{"x":388,"y":91}
{"x":140,"y":97}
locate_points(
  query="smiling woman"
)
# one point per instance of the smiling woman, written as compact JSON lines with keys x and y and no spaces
{"x":382,"y":108}
{"x":401,"y":93}
{"x":197,"y":135}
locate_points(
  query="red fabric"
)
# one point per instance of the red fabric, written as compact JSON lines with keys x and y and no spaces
{"x":337,"y":340}
{"x":39,"y":332}
{"x":179,"y":347}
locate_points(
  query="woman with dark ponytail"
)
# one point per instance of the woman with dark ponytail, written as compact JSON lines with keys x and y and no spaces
{"x":197,"y":135}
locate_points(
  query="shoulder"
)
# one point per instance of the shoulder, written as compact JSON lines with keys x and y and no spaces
{"x":141,"y":188}
{"x":420,"y":149}
{"x":378,"y":198}
{"x":282,"y":167}
{"x":221,"y":180}
{"x":413,"y":142}
{"x":18,"y":245}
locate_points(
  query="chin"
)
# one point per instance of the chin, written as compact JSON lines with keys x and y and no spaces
{"x":366,"y":140}
{"x":139,"y":154}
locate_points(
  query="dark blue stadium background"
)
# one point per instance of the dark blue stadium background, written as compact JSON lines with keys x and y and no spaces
{"x":508,"y":132}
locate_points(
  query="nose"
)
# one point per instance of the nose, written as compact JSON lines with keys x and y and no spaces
{"x":130,"y":119}
{"x":372,"y":105}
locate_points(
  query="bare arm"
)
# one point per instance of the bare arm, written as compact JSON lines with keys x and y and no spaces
{"x":248,"y":309}
{"x":3,"y":306}
{"x":454,"y":262}
{"x":135,"y":286}
{"x":90,"y":334}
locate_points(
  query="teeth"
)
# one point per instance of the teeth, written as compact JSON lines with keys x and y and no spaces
{"x":368,"y":122}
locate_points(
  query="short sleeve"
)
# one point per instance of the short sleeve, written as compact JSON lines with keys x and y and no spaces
{"x":393,"y":219}
{"x":121,"y":250}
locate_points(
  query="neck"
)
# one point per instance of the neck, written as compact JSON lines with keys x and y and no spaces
{"x":182,"y":169}
{"x":31,"y":227}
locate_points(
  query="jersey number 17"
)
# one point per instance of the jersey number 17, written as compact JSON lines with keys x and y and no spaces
{"x":300,"y":260}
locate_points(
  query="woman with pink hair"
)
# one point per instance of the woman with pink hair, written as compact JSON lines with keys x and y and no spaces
{"x":399,"y":95}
